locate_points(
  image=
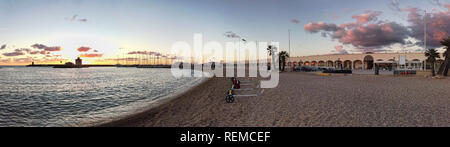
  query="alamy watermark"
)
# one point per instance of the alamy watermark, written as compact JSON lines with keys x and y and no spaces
{"x":209,"y":58}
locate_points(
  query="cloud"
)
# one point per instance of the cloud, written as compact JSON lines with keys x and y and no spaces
{"x":27,"y":50}
{"x":91,"y":55}
{"x":435,"y":2}
{"x":366,"y":17}
{"x":333,"y":16}
{"x":46,"y":48}
{"x":365,"y":32}
{"x":438,"y":25}
{"x":34,"y":52}
{"x":3,"y":46}
{"x":84,"y":49}
{"x":296,"y":21}
{"x":5,"y":60}
{"x":53,"y":49}
{"x":82,"y":20}
{"x":38,"y":52}
{"x":44,"y":52}
{"x":13,"y":54}
{"x":320,"y":26}
{"x":369,"y":49}
{"x":231,"y":34}
{"x":38,"y":46}
{"x":394,"y":5}
{"x":22,"y":60}
{"x":340,"y":49}
{"x":144,"y":53}
{"x":74,"y":18}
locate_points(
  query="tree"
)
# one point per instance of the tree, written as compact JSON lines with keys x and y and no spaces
{"x":445,"y":66}
{"x":432,"y":54}
{"x":282,"y":59}
{"x":271,"y":49}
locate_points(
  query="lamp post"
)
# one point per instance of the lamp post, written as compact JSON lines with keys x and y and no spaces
{"x":289,"y":44}
{"x":425,"y":31}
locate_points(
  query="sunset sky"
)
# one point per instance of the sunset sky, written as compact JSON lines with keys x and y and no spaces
{"x":51,"y":31}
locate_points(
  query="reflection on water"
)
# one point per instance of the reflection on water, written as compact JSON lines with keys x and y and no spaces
{"x":38,"y":96}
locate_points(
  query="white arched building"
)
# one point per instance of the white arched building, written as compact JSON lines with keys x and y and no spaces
{"x":362,"y":61}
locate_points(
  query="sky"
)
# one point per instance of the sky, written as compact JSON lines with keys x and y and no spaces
{"x":55,"y":31}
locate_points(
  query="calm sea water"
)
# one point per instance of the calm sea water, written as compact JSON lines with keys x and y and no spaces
{"x":39,"y":96}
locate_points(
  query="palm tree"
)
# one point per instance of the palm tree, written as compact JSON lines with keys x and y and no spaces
{"x":432,"y":54}
{"x":282,"y":59}
{"x":444,"y":67}
{"x":271,"y":49}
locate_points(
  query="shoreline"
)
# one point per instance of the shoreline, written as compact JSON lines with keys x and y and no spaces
{"x":161,"y":102}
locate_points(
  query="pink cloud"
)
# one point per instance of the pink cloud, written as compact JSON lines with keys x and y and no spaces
{"x":447,"y":6}
{"x":438,"y":25}
{"x":340,"y":49}
{"x":91,"y":55}
{"x":319,"y":26}
{"x":364,"y":32}
{"x":296,"y":21}
{"x":367,"y":17}
{"x":84,"y":49}
{"x":367,"y":32}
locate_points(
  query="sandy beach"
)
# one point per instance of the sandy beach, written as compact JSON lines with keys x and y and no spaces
{"x":307,"y":100}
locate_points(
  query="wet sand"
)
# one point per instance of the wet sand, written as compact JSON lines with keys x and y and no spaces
{"x":303,"y":100}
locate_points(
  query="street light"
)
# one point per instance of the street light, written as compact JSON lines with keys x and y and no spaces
{"x":289,"y":36}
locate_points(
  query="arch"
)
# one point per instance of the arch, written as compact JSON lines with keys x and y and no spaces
{"x":289,"y":64}
{"x":300,"y":63}
{"x":357,"y":64}
{"x":307,"y":63}
{"x":330,"y":63}
{"x":417,"y":64}
{"x":368,"y":62}
{"x":347,"y":64}
{"x":314,"y":63}
{"x":322,"y":63}
{"x":294,"y":63}
{"x":338,"y":64}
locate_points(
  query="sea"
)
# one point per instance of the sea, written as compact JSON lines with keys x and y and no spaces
{"x":66,"y":97}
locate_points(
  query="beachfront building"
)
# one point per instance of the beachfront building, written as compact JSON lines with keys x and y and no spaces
{"x":366,"y":61}
{"x":78,"y":62}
